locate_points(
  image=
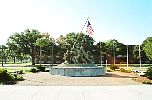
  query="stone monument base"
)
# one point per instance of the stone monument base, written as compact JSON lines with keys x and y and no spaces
{"x":77,"y":70}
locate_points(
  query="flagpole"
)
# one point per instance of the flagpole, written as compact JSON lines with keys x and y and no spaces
{"x":84,"y":24}
{"x":127,"y":56}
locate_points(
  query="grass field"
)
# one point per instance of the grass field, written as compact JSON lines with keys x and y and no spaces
{"x":13,"y":69}
{"x":26,"y":66}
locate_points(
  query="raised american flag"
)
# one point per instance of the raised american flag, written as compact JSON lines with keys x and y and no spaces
{"x":89,"y":29}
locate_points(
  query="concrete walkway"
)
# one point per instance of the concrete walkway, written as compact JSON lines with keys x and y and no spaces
{"x":130,"y":92}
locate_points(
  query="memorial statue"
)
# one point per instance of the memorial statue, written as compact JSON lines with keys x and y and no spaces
{"x":77,"y":55}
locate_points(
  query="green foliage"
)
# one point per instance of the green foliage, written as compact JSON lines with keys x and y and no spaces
{"x":40,"y":68}
{"x":109,"y":70}
{"x":19,"y":78}
{"x":3,"y":52}
{"x":71,"y":45}
{"x":125,"y":70}
{"x":135,"y":53}
{"x":33,"y":70}
{"x":147,"y":47}
{"x":148,"y":73}
{"x":113,"y":67}
{"x":42,"y":42}
{"x":114,"y":46}
{"x":20,"y":72}
{"x":62,"y":44}
{"x":102,"y":46}
{"x":24,"y":42}
{"x":7,"y":78}
{"x":146,"y":82}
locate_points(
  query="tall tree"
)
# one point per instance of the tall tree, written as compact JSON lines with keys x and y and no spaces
{"x":99,"y":51}
{"x":115,"y":46}
{"x":3,"y":53}
{"x":76,"y":43}
{"x":42,"y":42}
{"x":25,"y":42}
{"x":147,"y":47}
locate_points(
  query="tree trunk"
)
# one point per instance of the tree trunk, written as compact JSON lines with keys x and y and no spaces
{"x":5,"y":61}
{"x":14,"y":60}
{"x":33,"y":56}
{"x":40,"y":54}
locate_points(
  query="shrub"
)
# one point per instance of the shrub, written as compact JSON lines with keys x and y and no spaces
{"x":109,"y":70}
{"x":19,"y":78}
{"x":33,"y":70}
{"x":113,"y":67}
{"x":7,"y":78}
{"x":146,"y":82}
{"x":148,"y":73}
{"x":125,"y":70}
{"x":21,"y":72}
{"x":122,"y":69}
{"x":40,"y":68}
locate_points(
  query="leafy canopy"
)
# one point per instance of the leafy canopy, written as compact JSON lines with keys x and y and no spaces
{"x":147,"y":47}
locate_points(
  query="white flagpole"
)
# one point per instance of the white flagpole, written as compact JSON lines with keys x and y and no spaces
{"x":139,"y":57}
{"x":127,"y":56}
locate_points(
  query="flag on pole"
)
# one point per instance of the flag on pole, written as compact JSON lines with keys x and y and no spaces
{"x":89,"y":29}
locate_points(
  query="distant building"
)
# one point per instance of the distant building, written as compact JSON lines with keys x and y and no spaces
{"x":120,"y":59}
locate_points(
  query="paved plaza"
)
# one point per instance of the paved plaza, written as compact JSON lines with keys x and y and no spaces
{"x":110,"y":79}
{"x":130,"y":92}
{"x":43,"y":86}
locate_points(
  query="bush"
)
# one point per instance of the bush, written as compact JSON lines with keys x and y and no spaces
{"x":109,"y":70}
{"x":148,"y":73}
{"x":33,"y":70}
{"x":125,"y":70}
{"x":146,"y":82}
{"x":7,"y":78}
{"x":40,"y":68}
{"x":20,"y":72}
{"x":113,"y":67}
{"x":19,"y":78}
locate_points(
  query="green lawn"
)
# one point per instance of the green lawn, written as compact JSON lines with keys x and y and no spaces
{"x":26,"y":66}
{"x":13,"y":69}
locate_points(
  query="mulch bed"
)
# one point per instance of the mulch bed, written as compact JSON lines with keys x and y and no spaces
{"x":143,"y":80}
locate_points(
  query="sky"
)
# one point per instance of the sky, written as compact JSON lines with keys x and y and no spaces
{"x":128,"y":21}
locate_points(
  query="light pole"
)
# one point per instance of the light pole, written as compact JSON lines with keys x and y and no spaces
{"x":40,"y":54}
{"x":52,"y":56}
{"x":113,"y":54}
{"x":139,"y":57}
{"x":127,"y":57}
{"x":100,"y":54}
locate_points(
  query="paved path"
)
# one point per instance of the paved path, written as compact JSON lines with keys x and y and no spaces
{"x":132,"y":92}
{"x":45,"y":79}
